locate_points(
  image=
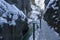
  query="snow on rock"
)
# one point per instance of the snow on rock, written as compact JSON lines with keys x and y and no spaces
{"x":30,"y":21}
{"x":35,"y":12}
{"x":33,"y":7}
{"x":34,"y":19}
{"x":34,"y":15}
{"x":50,"y":2}
{"x":12,"y":22}
{"x":10,"y":10}
{"x":2,"y":20}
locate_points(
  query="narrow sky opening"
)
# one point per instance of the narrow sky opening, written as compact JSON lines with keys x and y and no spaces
{"x":40,"y":3}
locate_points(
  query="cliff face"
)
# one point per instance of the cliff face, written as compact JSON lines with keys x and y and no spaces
{"x":52,"y":15}
{"x":46,"y":2}
{"x":11,"y":25}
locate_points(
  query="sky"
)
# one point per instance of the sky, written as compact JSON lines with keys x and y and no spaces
{"x":40,"y":3}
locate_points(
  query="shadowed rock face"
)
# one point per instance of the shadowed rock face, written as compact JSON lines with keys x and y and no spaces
{"x":51,"y":20}
{"x":10,"y":32}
